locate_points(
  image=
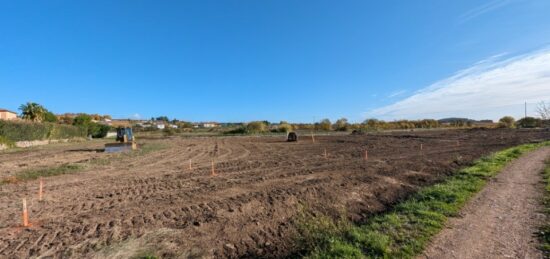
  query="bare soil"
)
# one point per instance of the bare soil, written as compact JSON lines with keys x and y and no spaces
{"x":153,"y":202}
{"x":13,"y":161}
{"x":501,"y":220}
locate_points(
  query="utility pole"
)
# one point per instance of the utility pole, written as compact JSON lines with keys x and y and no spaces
{"x":525,"y":110}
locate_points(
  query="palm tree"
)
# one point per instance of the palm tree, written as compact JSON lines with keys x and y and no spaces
{"x":32,"y":111}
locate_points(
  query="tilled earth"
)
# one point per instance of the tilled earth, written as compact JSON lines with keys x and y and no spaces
{"x":123,"y":205}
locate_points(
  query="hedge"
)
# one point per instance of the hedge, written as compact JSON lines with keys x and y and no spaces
{"x":26,"y":131}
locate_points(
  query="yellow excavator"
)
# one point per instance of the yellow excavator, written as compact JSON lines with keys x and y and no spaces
{"x":125,"y":141}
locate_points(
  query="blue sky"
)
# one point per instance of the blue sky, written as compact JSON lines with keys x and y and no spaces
{"x":276,"y":60}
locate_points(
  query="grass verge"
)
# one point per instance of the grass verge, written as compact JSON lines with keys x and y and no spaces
{"x":404,"y":231}
{"x":6,"y":142}
{"x":43,"y":172}
{"x":544,"y":233}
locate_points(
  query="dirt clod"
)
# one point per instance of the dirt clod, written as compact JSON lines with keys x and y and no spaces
{"x":230,"y":247}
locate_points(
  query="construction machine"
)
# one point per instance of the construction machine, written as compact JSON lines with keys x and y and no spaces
{"x":292,"y":137}
{"x":125,"y":141}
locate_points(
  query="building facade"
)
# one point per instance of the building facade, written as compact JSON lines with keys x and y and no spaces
{"x":7,"y":115}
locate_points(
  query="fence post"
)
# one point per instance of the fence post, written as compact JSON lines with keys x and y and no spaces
{"x":213,"y":173}
{"x":40,"y":190}
{"x":25,"y":214}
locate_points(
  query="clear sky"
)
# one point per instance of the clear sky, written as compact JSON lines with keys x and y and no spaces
{"x":276,"y":60}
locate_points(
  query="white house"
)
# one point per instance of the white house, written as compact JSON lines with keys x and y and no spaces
{"x":210,"y":125}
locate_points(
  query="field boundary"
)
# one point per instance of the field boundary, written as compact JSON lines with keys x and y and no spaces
{"x":404,"y":231}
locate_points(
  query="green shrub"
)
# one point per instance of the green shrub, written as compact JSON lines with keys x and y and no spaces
{"x":82,"y":119}
{"x":98,"y":130}
{"x":324,"y":125}
{"x":284,"y":127}
{"x":93,"y":129}
{"x":529,"y":122}
{"x":50,"y":117}
{"x":6,"y":142}
{"x":168,"y":131}
{"x":256,"y":127}
{"x":507,"y":122}
{"x":341,"y":125}
{"x":19,"y":131}
{"x":28,"y":131}
{"x":60,"y":131}
{"x":253,"y":127}
{"x":239,"y":130}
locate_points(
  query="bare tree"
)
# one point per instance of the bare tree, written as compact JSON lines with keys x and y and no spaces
{"x":543,"y":110}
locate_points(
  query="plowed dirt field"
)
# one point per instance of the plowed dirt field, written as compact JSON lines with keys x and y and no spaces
{"x":121,"y":205}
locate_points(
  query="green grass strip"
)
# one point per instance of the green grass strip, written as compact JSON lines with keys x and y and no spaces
{"x":404,"y":231}
{"x":32,"y":174}
{"x":544,"y":233}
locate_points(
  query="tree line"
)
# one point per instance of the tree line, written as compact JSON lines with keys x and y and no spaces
{"x":37,"y":113}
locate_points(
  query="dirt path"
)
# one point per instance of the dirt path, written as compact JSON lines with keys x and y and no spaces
{"x":500,"y":221}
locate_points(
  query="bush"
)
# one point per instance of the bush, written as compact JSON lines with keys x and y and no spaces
{"x":529,"y":122}
{"x":341,"y":125}
{"x":253,"y":127}
{"x":27,"y":131}
{"x":284,"y":127}
{"x":256,"y":127}
{"x":6,"y":142}
{"x":93,"y":129}
{"x":98,"y":130}
{"x":59,"y":131}
{"x":507,"y":122}
{"x":239,"y":130}
{"x":19,"y":131}
{"x":50,"y":117}
{"x":324,"y":125}
{"x":82,"y":119}
{"x":168,"y":131}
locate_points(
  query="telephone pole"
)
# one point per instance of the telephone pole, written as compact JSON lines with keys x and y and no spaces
{"x":525,"y":110}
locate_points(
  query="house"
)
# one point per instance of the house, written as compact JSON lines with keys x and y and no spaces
{"x":158,"y":124}
{"x":210,"y":125}
{"x":7,"y":115}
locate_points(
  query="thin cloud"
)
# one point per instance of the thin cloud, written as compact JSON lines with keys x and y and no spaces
{"x":482,"y":9}
{"x":136,"y":116}
{"x":397,"y":93}
{"x":489,"y":89}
